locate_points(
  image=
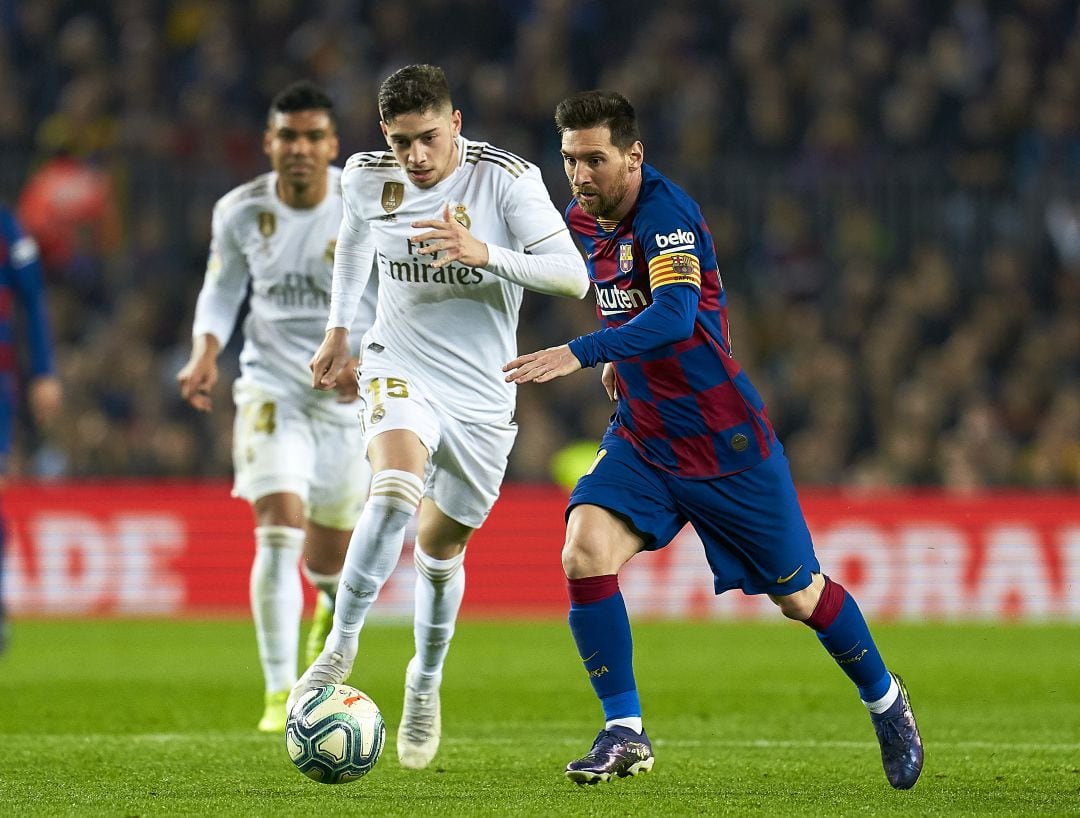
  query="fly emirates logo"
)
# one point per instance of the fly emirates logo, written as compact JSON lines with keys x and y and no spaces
{"x":417,"y":269}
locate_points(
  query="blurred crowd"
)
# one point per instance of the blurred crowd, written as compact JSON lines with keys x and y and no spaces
{"x":893,"y":187}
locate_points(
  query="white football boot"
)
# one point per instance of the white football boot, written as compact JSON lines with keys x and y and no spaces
{"x":331,"y":667}
{"x":421,"y":723}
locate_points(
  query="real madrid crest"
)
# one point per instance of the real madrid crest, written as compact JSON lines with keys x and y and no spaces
{"x":267,"y":223}
{"x":461,"y":216}
{"x":329,"y":254}
{"x":393,"y":193}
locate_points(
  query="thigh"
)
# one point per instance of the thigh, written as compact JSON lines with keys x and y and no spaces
{"x":341,"y":477}
{"x":468,"y":468}
{"x":753,"y":528}
{"x":273,"y":446}
{"x":629,"y":487}
{"x":390,"y":400}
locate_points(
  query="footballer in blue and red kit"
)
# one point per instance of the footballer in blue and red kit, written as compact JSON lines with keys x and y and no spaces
{"x":687,"y":413}
{"x":690,"y":442}
{"x":20,"y":282}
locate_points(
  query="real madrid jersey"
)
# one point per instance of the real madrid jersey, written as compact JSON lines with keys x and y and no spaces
{"x":286,"y":256}
{"x":451,"y":329}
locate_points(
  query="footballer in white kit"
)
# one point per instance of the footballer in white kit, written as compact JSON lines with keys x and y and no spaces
{"x":454,"y":230}
{"x":297,"y":452}
{"x":440,"y":332}
{"x":287,"y":436}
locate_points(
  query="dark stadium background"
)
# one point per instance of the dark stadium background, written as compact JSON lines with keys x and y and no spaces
{"x":893,"y":187}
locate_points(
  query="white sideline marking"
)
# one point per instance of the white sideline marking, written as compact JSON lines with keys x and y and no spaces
{"x":764,"y":744}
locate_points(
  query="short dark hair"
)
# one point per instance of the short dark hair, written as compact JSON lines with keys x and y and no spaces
{"x":414,"y":89}
{"x":596,"y":109}
{"x":302,"y":95}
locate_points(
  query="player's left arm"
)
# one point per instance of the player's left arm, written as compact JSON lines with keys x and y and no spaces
{"x":675,"y":282}
{"x":44,"y":392}
{"x":550,"y":263}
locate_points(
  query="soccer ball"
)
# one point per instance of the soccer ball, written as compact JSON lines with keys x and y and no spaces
{"x":335,"y":734}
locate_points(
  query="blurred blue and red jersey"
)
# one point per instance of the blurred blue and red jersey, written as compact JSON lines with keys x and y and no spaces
{"x":683,"y":401}
{"x":20,"y":281}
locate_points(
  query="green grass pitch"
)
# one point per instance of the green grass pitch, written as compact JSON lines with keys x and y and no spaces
{"x":134,"y":718}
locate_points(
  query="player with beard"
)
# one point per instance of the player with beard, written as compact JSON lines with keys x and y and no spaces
{"x":690,"y":442}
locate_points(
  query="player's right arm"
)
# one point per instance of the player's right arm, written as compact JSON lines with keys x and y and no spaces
{"x":353,"y":257}
{"x":224,"y":290}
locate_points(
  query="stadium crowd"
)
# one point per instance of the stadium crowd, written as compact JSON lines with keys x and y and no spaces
{"x":893,"y":187}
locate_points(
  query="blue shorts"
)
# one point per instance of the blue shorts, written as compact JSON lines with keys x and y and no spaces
{"x":753,"y":529}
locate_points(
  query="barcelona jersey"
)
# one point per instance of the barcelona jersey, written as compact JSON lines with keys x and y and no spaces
{"x":683,"y":401}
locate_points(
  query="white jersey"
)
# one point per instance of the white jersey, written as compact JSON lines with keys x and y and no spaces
{"x":286,"y":255}
{"x":452,"y":329}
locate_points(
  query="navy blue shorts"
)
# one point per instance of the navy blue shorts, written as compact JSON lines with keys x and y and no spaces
{"x":753,"y":529}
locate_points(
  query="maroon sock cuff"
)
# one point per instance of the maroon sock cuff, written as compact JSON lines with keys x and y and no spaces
{"x":592,"y":589}
{"x":828,"y":606}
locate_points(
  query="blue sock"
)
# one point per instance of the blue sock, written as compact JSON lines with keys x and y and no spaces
{"x":843,"y":631}
{"x":601,"y":629}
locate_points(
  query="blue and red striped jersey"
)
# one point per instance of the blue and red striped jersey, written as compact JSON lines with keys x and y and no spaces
{"x":683,"y":401}
{"x":21,"y":281}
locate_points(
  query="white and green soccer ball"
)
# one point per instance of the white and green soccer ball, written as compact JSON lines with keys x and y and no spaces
{"x":335,"y":734}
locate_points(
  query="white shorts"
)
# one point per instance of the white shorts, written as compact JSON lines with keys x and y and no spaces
{"x":467,"y":461}
{"x":280,"y":447}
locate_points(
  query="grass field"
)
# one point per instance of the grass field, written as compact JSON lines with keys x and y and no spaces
{"x":156,"y":718}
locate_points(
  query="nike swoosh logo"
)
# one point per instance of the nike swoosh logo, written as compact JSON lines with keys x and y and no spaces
{"x":596,"y":651}
{"x":782,"y":580}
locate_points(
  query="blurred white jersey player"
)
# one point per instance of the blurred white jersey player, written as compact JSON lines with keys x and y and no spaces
{"x":456,"y":230}
{"x":297,"y":452}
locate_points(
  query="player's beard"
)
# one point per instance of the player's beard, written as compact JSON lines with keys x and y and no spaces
{"x":604,"y":203}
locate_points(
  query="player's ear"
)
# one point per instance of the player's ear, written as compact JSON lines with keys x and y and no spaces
{"x":635,"y":156}
{"x":385,"y":133}
{"x":268,"y":138}
{"x":455,"y":123}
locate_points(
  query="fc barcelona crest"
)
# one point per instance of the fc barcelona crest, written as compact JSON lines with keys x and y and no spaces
{"x":626,"y":256}
{"x":393,"y":193}
{"x":267,"y":224}
{"x":461,"y":217}
{"x":682,"y":266}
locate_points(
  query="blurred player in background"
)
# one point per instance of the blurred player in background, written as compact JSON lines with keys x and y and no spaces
{"x":457,"y":230}
{"x":297,"y":452}
{"x":21,"y":283}
{"x":689,"y":442}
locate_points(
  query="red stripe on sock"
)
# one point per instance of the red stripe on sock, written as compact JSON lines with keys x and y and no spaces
{"x":828,"y":606}
{"x":592,"y":589}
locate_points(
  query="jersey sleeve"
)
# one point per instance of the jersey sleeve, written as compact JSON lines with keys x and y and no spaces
{"x":28,"y":284}
{"x":550,"y":263}
{"x":667,"y":231}
{"x":225,"y":285}
{"x":353,"y":260}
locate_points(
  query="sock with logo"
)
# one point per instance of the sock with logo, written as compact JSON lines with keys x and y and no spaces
{"x":373,"y":553}
{"x":440,"y":586}
{"x":843,"y":631}
{"x":277,"y":602}
{"x":601,"y":629}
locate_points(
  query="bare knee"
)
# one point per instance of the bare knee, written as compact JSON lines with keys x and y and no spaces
{"x":597,"y":543}
{"x":801,"y":604}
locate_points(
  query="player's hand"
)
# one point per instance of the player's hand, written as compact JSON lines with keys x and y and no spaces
{"x":331,"y":357}
{"x":542,"y":366}
{"x":451,"y":241}
{"x":44,"y":395}
{"x":347,"y":384}
{"x":608,"y":380}
{"x":196,"y":380}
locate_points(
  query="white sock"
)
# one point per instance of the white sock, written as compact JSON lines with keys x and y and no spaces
{"x":277,"y":602}
{"x":886,"y":701}
{"x":373,"y":553}
{"x":440,"y":586}
{"x":633,"y":722}
{"x":325,"y":583}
